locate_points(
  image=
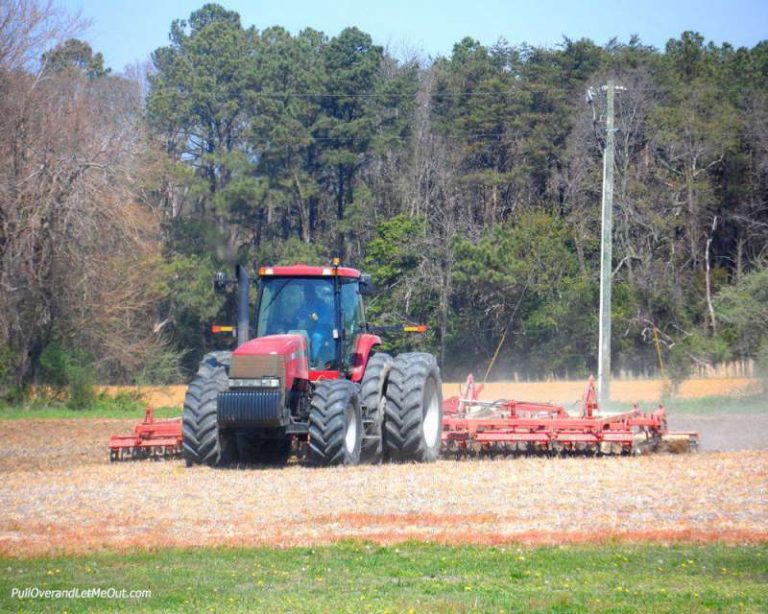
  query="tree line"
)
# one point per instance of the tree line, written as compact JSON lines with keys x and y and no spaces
{"x":468,"y":185}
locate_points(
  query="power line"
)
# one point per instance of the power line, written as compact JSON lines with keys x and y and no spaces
{"x":525,"y":88}
{"x":478,"y":137}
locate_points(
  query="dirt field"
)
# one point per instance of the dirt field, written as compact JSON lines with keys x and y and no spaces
{"x":705,"y":497}
{"x":27,"y":445}
{"x":59,"y":494}
{"x":50,"y":444}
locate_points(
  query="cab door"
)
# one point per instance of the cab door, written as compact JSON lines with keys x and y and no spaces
{"x":352,"y":319}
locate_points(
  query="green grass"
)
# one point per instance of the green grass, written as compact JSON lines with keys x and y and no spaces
{"x":718,"y":405}
{"x":128,"y":404}
{"x":357,"y":577}
{"x":736,"y":404}
{"x":17,"y":412}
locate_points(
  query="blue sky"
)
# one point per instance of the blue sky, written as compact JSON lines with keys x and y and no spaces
{"x":126,"y":31}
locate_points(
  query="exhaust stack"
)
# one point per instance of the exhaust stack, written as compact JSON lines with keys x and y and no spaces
{"x":243,"y":292}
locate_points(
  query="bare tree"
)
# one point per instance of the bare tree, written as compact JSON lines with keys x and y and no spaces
{"x":29,"y":26}
{"x":78,"y":254}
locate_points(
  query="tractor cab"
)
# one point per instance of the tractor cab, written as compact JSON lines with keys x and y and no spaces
{"x":323,"y":304}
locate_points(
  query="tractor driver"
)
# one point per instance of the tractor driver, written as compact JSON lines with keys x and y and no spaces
{"x":319,"y":304}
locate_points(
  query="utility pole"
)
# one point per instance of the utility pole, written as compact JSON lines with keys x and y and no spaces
{"x":606,"y":251}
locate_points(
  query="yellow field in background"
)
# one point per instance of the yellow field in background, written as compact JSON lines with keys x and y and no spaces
{"x":156,"y":396}
{"x":623,"y":391}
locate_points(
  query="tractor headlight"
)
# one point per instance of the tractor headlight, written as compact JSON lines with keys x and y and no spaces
{"x":270,"y":382}
{"x":256,"y":382}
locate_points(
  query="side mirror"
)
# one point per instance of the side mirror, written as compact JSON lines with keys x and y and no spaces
{"x":220,"y":282}
{"x":366,"y":284}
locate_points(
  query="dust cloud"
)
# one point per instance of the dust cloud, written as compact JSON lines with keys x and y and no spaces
{"x":725,"y":431}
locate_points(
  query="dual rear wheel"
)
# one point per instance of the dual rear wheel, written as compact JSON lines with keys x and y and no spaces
{"x":413,"y":420}
{"x":401,"y":410}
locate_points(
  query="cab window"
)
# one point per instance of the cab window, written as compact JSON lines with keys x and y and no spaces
{"x":352,"y":316}
{"x":296,"y":304}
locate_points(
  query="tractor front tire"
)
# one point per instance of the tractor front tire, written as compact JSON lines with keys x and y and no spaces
{"x":373,"y":391}
{"x":413,"y":420}
{"x":202,"y":442}
{"x":335,"y":424}
{"x":213,"y":360}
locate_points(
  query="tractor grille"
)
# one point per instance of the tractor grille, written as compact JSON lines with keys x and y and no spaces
{"x":248,"y":366}
{"x":253,"y":407}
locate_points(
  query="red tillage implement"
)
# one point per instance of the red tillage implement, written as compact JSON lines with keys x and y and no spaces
{"x":472,"y":426}
{"x":151,"y":439}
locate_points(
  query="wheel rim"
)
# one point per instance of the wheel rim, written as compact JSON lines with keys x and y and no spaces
{"x":431,"y":423}
{"x":350,"y":437}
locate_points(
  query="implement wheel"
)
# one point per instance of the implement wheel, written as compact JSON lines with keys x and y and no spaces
{"x":202,"y":442}
{"x":335,"y":424}
{"x":413,"y":419}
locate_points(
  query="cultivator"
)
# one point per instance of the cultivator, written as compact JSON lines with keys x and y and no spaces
{"x":155,"y":439}
{"x":472,"y":427}
{"x":504,"y":427}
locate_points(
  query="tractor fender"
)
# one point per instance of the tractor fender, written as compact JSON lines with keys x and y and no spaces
{"x":363,"y":348}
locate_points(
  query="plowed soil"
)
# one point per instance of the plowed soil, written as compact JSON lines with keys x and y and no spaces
{"x":65,"y":444}
{"x":58,"y":494}
{"x":57,"y":444}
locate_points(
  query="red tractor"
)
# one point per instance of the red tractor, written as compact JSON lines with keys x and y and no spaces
{"x":311,"y":380}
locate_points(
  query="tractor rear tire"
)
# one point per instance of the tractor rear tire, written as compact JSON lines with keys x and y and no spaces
{"x":202,"y":442}
{"x":413,"y":420}
{"x":373,"y":391}
{"x":335,"y":424}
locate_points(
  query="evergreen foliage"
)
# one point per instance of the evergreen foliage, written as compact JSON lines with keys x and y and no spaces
{"x":469,"y":186}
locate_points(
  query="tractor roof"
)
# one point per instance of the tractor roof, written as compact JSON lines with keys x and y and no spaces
{"x":303,"y":270}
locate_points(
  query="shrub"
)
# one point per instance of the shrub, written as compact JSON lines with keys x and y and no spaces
{"x":698,"y":347}
{"x":125,"y":400}
{"x":11,"y":391}
{"x":70,"y":373}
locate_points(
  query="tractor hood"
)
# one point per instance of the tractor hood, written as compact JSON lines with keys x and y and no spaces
{"x":283,"y":356}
